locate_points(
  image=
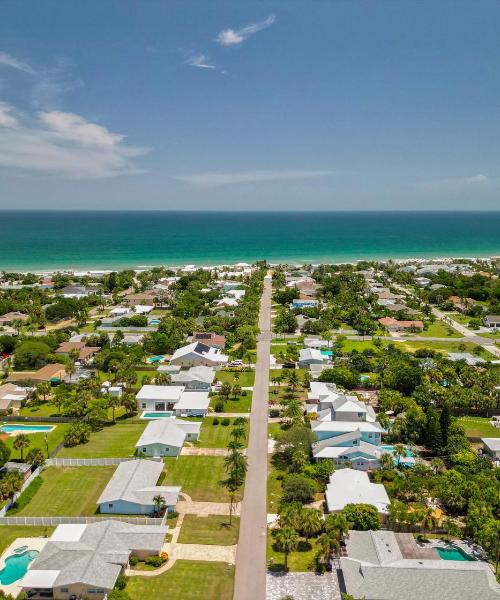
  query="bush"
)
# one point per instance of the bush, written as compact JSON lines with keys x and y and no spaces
{"x":225,"y":421}
{"x":31,"y":355}
{"x":219,"y":405}
{"x":362,"y":517}
{"x":274,"y":412}
{"x":26,"y":497}
{"x":121,"y":582}
{"x":215,"y":421}
{"x":243,"y":393}
{"x":172,"y":514}
{"x":133,"y":560}
{"x":297,"y":488}
{"x":78,"y":433}
{"x":154,"y":561}
{"x":118,"y":595}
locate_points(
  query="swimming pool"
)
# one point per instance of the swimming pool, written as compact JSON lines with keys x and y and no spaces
{"x":154,"y":359}
{"x":391,"y":449}
{"x":26,"y":428}
{"x":16,"y":566}
{"x":326,"y":352}
{"x":157,"y":415}
{"x":454,"y":554}
{"x":154,"y":322}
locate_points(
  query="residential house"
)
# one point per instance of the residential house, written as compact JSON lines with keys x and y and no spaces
{"x":195,"y":378}
{"x":85,"y":353}
{"x":401,"y":308}
{"x":312,"y":356}
{"x":148,"y":298}
{"x":84,"y":561}
{"x":51,"y":373}
{"x":348,"y":486}
{"x":78,"y":291}
{"x":469,"y":358}
{"x":196,"y":354}
{"x":210,"y":339}
{"x":10,"y":317}
{"x":166,"y":437}
{"x":491,"y":446}
{"x":175,"y":398}
{"x":12,"y":396}
{"x":462,"y":304}
{"x":132,"y":489}
{"x":392,"y":324}
{"x":492,"y":321}
{"x":383,"y":565}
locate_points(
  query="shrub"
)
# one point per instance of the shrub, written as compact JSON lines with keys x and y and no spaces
{"x":297,"y":488}
{"x":133,"y":560}
{"x":215,"y":421}
{"x":154,"y":561}
{"x":172,"y":514}
{"x":121,"y":582}
{"x":274,"y":412}
{"x":243,"y":392}
{"x":225,"y":421}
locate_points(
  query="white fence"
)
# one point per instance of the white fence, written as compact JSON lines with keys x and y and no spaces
{"x":90,"y":462}
{"x":53,"y":521}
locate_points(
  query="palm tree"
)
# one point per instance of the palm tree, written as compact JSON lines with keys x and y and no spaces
{"x":70,"y":369}
{"x":399,"y":453}
{"x":437,"y":465}
{"x":35,"y":457}
{"x":162,"y":379}
{"x":386,"y":462}
{"x":225,"y":390}
{"x":293,"y":410}
{"x":429,"y":520}
{"x":236,"y":391}
{"x":159,"y":502}
{"x":114,"y":402}
{"x":287,"y":540}
{"x":17,"y":325}
{"x":311,"y":523}
{"x":21,"y":442}
{"x":129,"y":403}
{"x":44,"y":389}
{"x":238,"y":432}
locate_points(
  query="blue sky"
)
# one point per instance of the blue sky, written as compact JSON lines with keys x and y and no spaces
{"x":338,"y":105}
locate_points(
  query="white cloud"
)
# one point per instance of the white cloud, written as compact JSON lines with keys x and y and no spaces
{"x":233,"y":37}
{"x":216,"y":178}
{"x":455,"y":183}
{"x":64,"y":144}
{"x":7,"y":60}
{"x":201,"y":61}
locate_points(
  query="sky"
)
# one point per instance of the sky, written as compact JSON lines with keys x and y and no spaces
{"x":239,"y":105}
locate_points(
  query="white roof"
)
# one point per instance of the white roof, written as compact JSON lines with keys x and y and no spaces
{"x":143,"y":308}
{"x":68,"y":533}
{"x":348,"y":486}
{"x":193,"y":401}
{"x":170,"y":393}
{"x":200,"y":349}
{"x":170,"y":432}
{"x":492,"y":443}
{"x":39,"y":578}
{"x":340,"y":426}
{"x":312,"y":354}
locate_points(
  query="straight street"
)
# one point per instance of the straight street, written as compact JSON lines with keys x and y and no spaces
{"x":250,"y":579}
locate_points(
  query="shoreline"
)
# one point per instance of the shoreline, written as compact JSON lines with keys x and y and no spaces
{"x":102,"y":270}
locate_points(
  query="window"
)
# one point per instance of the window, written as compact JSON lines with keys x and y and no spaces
{"x":143,"y":405}
{"x":144,"y":449}
{"x":110,"y":506}
{"x":64,"y":590}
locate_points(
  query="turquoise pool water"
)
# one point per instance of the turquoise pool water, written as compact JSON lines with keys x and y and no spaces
{"x":27,"y":428}
{"x":16,"y":566}
{"x":326,"y":352}
{"x":154,"y":359}
{"x":156,"y":415}
{"x":391,"y":449}
{"x":154,"y":322}
{"x":454,"y":554}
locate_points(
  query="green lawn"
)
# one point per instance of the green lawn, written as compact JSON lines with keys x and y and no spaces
{"x":243,"y":378}
{"x":114,"y":441}
{"x":37,"y":440}
{"x":440,"y":330}
{"x":479,"y":427}
{"x":213,"y":529}
{"x":186,"y":580}
{"x":8,"y":533}
{"x":280,"y":372}
{"x":47,"y":409}
{"x":199,"y":476}
{"x":68,"y":491}
{"x":301,"y":560}
{"x":242,"y":404}
{"x":216,"y":436}
{"x":274,"y":490}
{"x":274,"y":429}
{"x":359,"y":345}
{"x":446,"y":347}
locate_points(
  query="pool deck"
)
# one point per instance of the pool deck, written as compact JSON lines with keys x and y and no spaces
{"x":33,"y":543}
{"x":410,"y":549}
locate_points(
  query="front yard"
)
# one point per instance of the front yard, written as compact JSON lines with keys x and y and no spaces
{"x":241,"y":404}
{"x":199,"y":477}
{"x":67,"y":491}
{"x":243,"y":378}
{"x":186,"y":580}
{"x":37,"y":440}
{"x":302,"y":559}
{"x":479,"y":427}
{"x":114,"y":441}
{"x":216,"y":436}
{"x":213,"y":529}
{"x":439,"y":329}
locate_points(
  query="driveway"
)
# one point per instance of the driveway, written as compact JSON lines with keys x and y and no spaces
{"x":302,"y":586}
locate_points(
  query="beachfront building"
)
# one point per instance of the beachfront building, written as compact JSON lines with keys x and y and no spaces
{"x":199,"y":354}
{"x":348,"y":486}
{"x":383,"y":565}
{"x":166,"y":437}
{"x":84,"y":561}
{"x":175,"y":398}
{"x":132,"y":489}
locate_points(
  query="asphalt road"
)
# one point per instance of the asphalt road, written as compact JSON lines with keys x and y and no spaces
{"x":250,"y":578}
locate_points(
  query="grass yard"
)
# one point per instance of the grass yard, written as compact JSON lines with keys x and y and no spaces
{"x":360,"y":345}
{"x":186,"y":580}
{"x":242,"y":378}
{"x":8,"y":533}
{"x":274,"y":429}
{"x":445,"y":347}
{"x":274,"y":490}
{"x":301,"y":560}
{"x":281,"y":372}
{"x":479,"y":427}
{"x":47,"y":409}
{"x":114,"y":441}
{"x":37,"y":440}
{"x":213,"y":529}
{"x":242,"y":404}
{"x":216,"y":436}
{"x":439,"y":329}
{"x":199,"y":477}
{"x":68,"y":491}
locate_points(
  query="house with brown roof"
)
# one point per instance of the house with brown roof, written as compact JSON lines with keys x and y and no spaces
{"x":210,"y":339}
{"x":85,"y":353}
{"x":51,"y":373}
{"x":10,"y":317}
{"x":149,"y":298}
{"x":12,"y":396}
{"x":462,"y":304}
{"x":394,"y":325}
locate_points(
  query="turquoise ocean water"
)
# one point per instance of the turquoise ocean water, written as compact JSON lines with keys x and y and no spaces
{"x":39,"y":240}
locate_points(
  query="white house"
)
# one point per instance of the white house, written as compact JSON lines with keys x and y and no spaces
{"x":492,"y":447}
{"x":348,"y":486}
{"x":197,"y":354}
{"x":132,"y":489}
{"x":166,"y":437}
{"x":175,"y":398}
{"x":312,"y":356}
{"x":195,"y":378}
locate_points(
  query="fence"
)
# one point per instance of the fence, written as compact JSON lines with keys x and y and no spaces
{"x":21,"y":418}
{"x":26,"y":484}
{"x":53,"y":521}
{"x":90,"y":462}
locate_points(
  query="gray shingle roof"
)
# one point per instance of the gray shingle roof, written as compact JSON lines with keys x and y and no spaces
{"x":170,"y":432}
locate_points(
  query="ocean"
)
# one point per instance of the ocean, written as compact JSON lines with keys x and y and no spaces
{"x":45,"y":240}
